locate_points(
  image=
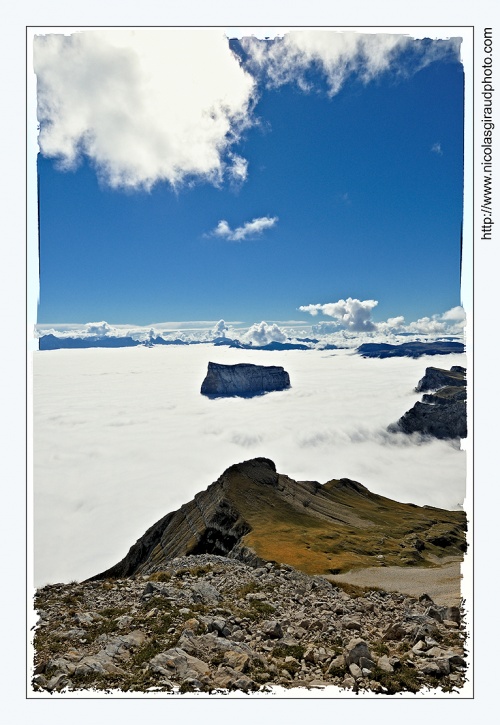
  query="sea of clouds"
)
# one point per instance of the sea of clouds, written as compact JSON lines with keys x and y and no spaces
{"x":123,"y":436}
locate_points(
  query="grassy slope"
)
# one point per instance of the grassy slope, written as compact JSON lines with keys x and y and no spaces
{"x":289,"y":530}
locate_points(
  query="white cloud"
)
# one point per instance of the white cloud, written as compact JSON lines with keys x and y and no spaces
{"x":111,"y":459}
{"x":338,"y":55}
{"x":393,"y":324}
{"x":456,"y":314}
{"x":427,"y":324}
{"x":145,"y":104}
{"x":262,"y":334}
{"x":98,"y":328}
{"x":451,"y":322}
{"x":353,"y":314}
{"x":238,"y":170}
{"x":220,"y":329}
{"x":436,"y":148}
{"x":249,"y":229}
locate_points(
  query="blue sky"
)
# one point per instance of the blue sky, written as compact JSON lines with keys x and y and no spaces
{"x":350,"y":162}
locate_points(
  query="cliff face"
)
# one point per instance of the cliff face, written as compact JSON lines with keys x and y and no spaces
{"x":436,"y":378}
{"x":254,"y":514}
{"x":445,"y":419}
{"x":442,"y":414}
{"x":244,"y":380}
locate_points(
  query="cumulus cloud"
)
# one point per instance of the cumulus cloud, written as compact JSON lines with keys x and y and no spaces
{"x":338,"y":55}
{"x":392,"y":324}
{"x":451,"y":322}
{"x":354,"y":315}
{"x":436,"y":148}
{"x":351,"y":313}
{"x":144,"y":104}
{"x":262,"y":334}
{"x":98,"y":328}
{"x":248,"y":229}
{"x":220,"y":329}
{"x":456,"y":314}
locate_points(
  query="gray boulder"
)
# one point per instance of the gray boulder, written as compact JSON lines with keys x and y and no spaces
{"x":355,"y":650}
{"x":176,"y":662}
{"x":243,"y":380}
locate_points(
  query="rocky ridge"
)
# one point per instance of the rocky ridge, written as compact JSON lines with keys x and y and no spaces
{"x":255,"y":514}
{"x":212,"y":624}
{"x":244,"y":380}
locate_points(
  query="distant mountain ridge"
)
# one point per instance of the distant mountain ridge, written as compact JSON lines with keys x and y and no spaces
{"x":410,"y":349}
{"x":53,"y":342}
{"x":369,"y":349}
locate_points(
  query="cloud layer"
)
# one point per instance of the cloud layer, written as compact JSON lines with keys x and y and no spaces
{"x":122,"y":437}
{"x":144,"y":105}
{"x":248,"y":229}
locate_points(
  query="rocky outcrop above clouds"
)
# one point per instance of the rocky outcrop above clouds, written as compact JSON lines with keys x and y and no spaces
{"x":442,"y":414}
{"x":440,"y":421}
{"x":244,"y":380}
{"x":436,"y":378}
{"x":409,"y":349}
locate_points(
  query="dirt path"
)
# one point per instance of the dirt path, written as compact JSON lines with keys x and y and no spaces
{"x":442,"y":583}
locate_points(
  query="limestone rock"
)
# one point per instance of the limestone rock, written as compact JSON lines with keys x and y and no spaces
{"x":356,"y":649}
{"x":355,"y":670}
{"x":272,"y":628}
{"x":384,"y":664}
{"x":243,"y":380}
{"x":205,"y":593}
{"x":177,"y":663}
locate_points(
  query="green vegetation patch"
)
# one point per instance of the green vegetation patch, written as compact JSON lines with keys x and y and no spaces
{"x":289,"y":650}
{"x":342,"y":526}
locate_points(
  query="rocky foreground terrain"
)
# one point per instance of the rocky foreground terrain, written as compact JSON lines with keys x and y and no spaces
{"x":230,"y":592}
{"x":213,"y":624}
